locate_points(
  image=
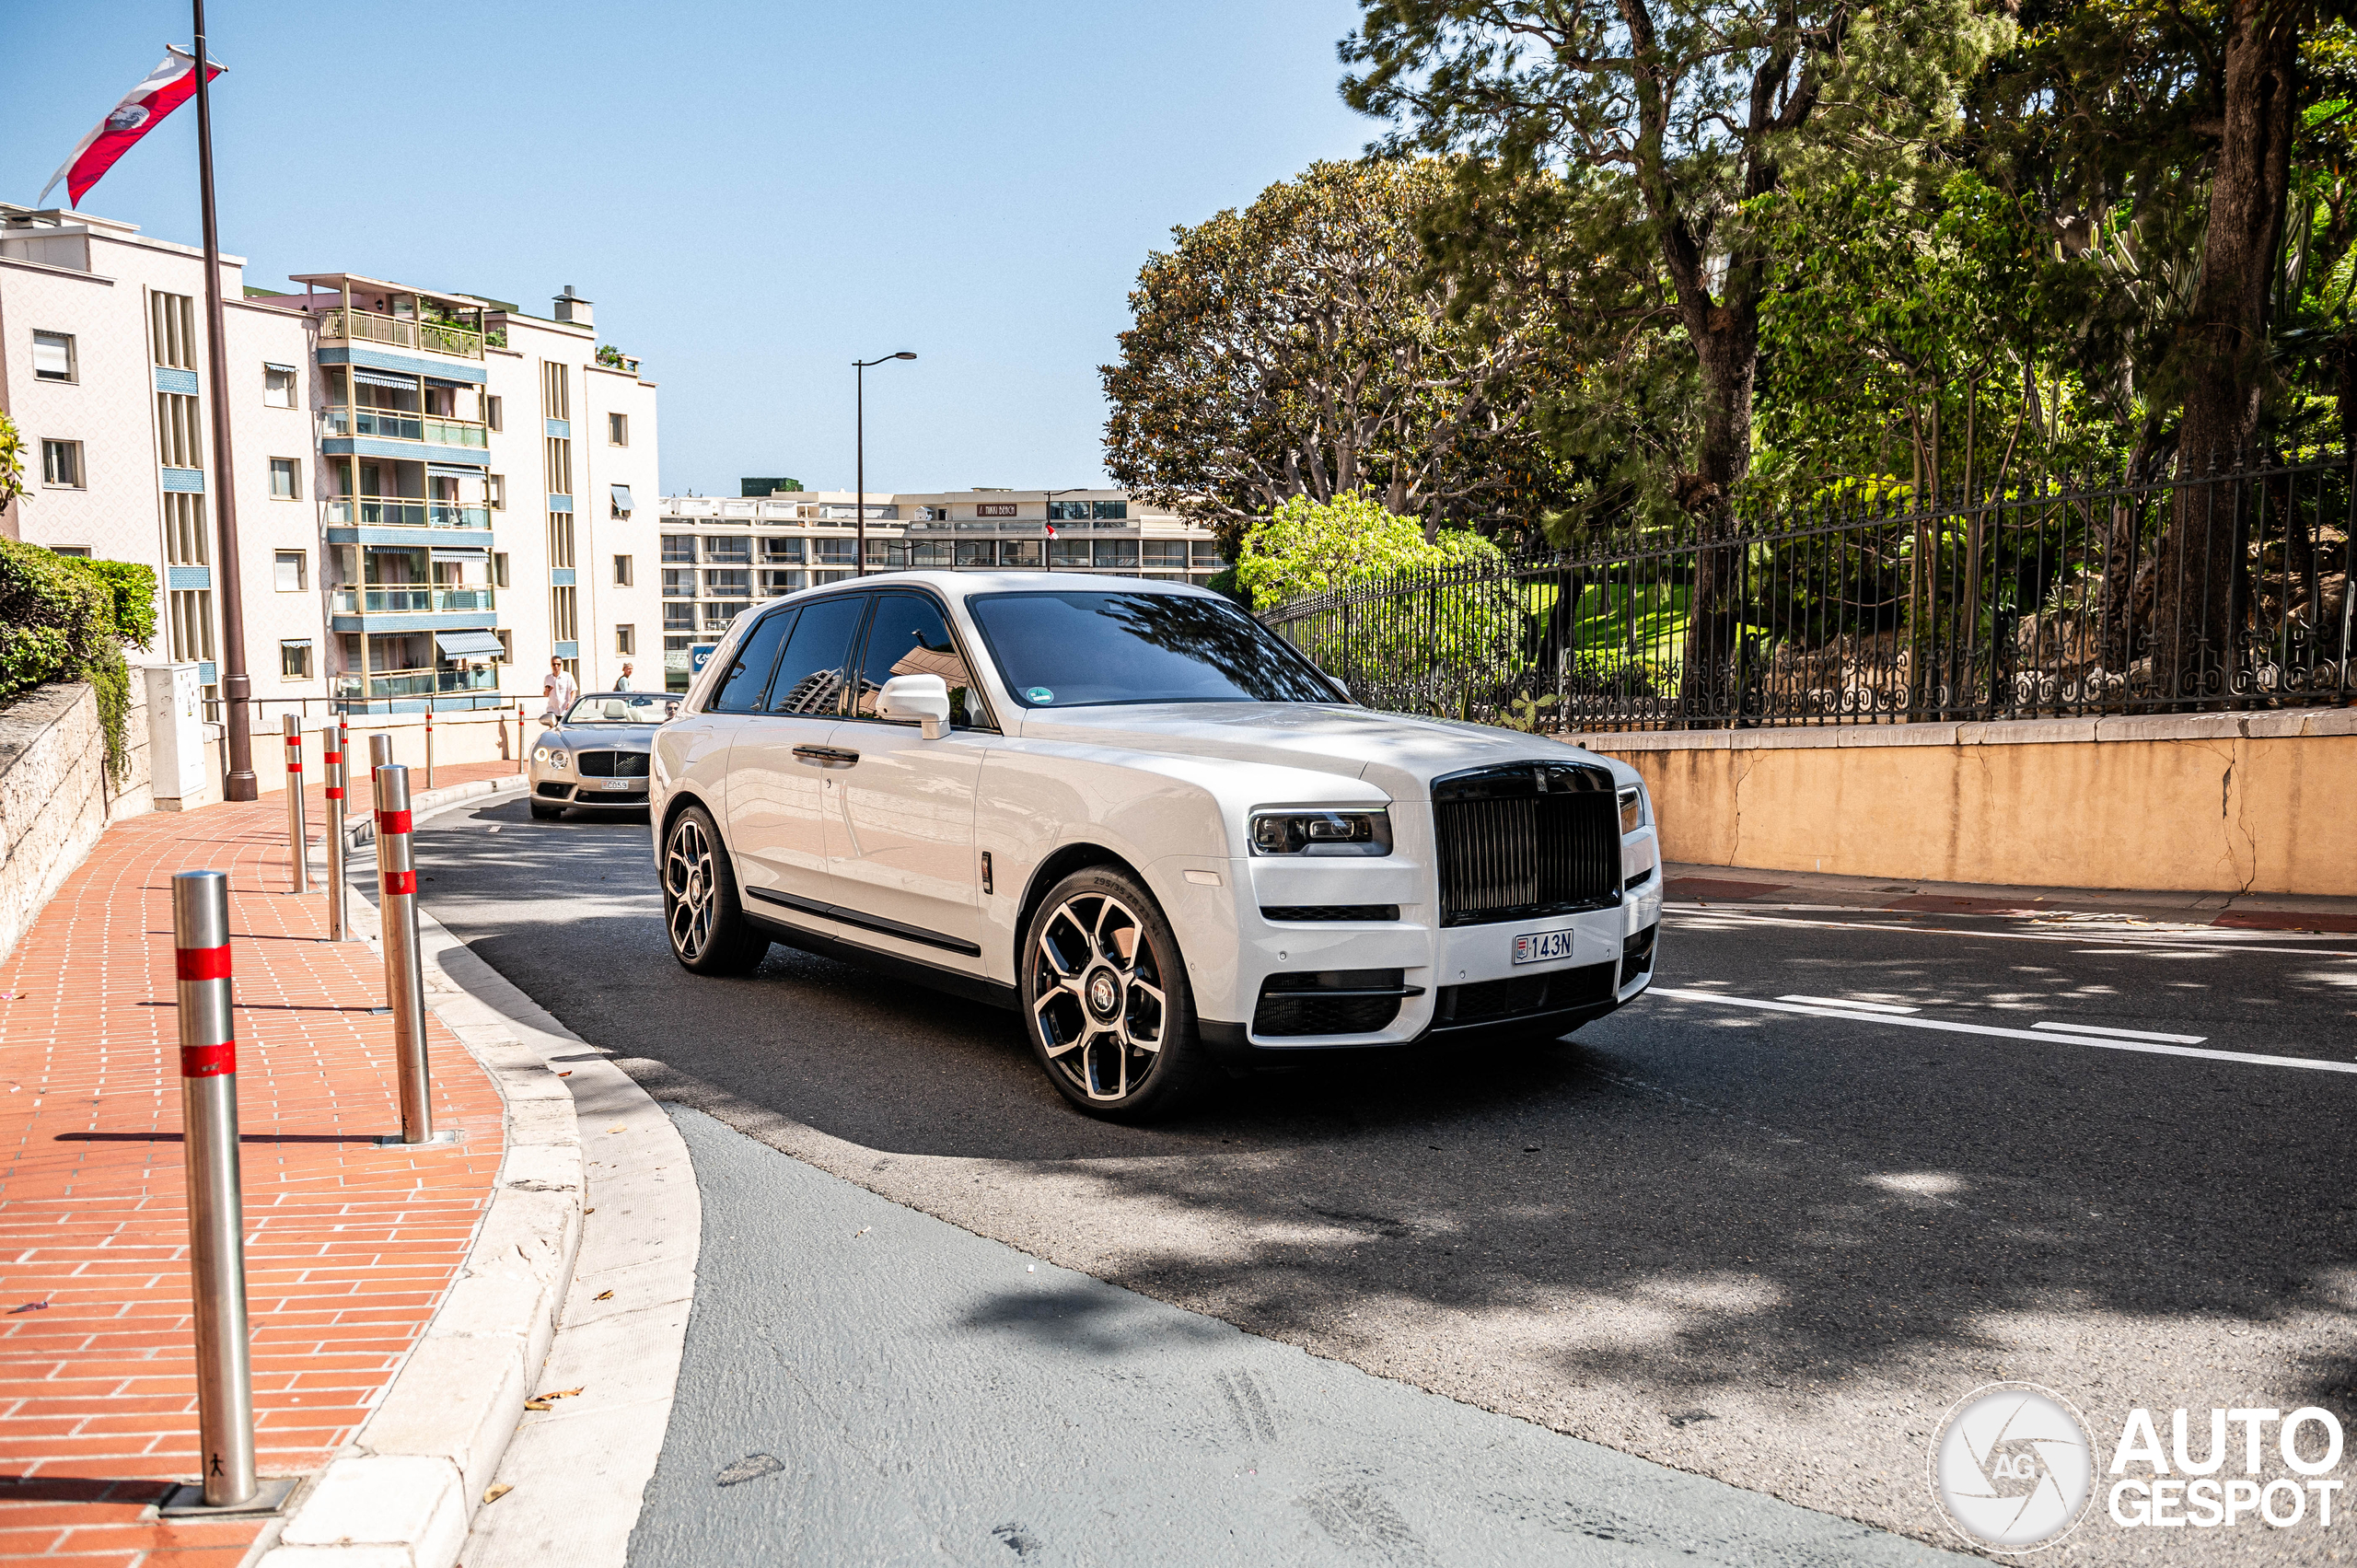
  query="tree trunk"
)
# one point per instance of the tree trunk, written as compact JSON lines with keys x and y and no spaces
{"x":1710,"y":684}
{"x":2221,"y":351}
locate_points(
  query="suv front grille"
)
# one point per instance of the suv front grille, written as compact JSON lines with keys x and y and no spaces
{"x":610,"y":765}
{"x":1525,"y":839}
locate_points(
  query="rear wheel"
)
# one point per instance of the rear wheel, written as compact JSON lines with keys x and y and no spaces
{"x":709,"y":932}
{"x":1106,"y":1000}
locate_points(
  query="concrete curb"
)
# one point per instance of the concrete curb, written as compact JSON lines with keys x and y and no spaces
{"x":404,"y":1489}
{"x":360,"y":828}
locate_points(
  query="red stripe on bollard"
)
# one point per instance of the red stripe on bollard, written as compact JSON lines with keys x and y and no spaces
{"x":400,"y":881}
{"x":392,"y":821}
{"x":208,"y":1061}
{"x":201,"y":963}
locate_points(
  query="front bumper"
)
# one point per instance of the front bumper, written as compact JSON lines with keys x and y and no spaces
{"x":589,"y":794}
{"x":1393,"y":977}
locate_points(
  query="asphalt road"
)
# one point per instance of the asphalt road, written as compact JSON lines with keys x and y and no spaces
{"x":1771,"y":1245}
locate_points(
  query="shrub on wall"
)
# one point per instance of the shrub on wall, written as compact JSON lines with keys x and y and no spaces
{"x":67,"y":619}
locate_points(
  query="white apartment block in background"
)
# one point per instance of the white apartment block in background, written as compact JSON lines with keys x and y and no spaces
{"x":430,"y":487}
{"x":721,"y":555}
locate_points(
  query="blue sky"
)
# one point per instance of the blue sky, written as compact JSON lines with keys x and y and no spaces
{"x":753,"y":195}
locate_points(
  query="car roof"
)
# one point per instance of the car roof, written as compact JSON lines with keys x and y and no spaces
{"x":966,"y":585}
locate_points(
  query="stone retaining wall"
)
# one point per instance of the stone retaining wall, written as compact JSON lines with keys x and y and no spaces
{"x":55,"y":797}
{"x":2252,"y":803}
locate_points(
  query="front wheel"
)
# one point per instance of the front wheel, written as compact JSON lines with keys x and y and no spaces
{"x":707,"y":925}
{"x":1106,"y":1000}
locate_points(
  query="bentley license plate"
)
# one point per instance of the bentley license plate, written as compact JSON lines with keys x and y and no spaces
{"x":614,"y":784}
{"x":1538,"y":947}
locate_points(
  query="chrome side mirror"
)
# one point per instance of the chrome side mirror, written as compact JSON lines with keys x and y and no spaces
{"x":925,"y":698}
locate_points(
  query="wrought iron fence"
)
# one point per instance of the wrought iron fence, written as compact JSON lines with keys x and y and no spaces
{"x":2170,"y":594}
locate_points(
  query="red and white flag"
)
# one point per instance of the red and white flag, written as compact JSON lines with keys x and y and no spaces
{"x":167,"y":87}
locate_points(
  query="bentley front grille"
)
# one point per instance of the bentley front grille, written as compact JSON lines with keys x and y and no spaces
{"x":610,"y":765}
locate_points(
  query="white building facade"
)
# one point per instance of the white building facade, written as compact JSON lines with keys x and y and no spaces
{"x":436,"y":493}
{"x":721,"y":555}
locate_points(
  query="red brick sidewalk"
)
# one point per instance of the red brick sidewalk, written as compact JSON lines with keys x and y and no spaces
{"x":350,"y":1245}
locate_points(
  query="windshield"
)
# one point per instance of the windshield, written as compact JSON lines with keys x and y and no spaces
{"x":1076,"y":646}
{"x":622,"y":707}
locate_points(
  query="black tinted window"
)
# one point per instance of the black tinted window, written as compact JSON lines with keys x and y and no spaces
{"x":740,"y":689}
{"x":1085,"y":645}
{"x":907,"y":636}
{"x":810,"y":676}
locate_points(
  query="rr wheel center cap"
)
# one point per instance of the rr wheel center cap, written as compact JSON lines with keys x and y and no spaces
{"x":1104,"y":994}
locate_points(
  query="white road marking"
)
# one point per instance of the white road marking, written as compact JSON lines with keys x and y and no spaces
{"x":2213,"y":946}
{"x":1845,"y":1001}
{"x":2122,"y":1034}
{"x":2249,"y":1058}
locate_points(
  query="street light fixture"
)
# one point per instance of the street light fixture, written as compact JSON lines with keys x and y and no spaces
{"x":859,"y":508}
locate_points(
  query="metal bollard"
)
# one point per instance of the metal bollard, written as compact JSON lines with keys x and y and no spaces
{"x":404,"y":976}
{"x":224,"y":1402}
{"x":520,"y":735}
{"x":380,"y":754}
{"x":429,"y":743}
{"x":332,"y":770}
{"x":297,"y":835}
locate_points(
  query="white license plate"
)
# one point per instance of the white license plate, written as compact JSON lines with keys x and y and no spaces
{"x":1540,"y":946}
{"x":615,"y":783}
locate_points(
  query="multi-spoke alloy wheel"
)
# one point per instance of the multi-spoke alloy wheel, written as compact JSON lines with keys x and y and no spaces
{"x":1106,"y":994}
{"x":709,"y":933}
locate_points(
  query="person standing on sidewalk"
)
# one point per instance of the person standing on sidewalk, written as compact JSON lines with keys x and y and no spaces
{"x":622,"y":682}
{"x":557,"y":691}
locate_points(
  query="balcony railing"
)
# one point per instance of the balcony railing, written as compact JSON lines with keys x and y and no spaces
{"x":418,"y":600}
{"x":397,"y":425}
{"x":418,"y":682}
{"x":408,"y":512}
{"x":397,"y":331}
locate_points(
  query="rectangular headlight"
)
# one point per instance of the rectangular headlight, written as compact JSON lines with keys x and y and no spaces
{"x":1315,"y":833}
{"x":1633,"y":809}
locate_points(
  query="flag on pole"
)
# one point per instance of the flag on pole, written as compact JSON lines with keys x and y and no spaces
{"x":167,"y":87}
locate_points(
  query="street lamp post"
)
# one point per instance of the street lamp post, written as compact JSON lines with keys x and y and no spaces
{"x":859,"y":506}
{"x":237,"y":686}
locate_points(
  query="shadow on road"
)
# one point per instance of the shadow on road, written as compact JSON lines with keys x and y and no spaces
{"x":1700,"y":1204}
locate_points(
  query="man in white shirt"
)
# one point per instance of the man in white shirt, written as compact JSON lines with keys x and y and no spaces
{"x":557,"y":691}
{"x":622,"y":682}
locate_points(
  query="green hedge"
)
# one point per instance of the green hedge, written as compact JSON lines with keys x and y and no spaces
{"x":62,"y":618}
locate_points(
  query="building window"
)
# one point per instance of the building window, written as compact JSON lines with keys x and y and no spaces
{"x":716,"y":616}
{"x":79,"y":552}
{"x":678,"y":582}
{"x":1109,"y":511}
{"x":278,"y":386}
{"x":625,"y":639}
{"x":293,"y":571}
{"x":60,"y":464}
{"x":556,"y":390}
{"x":617,"y":430}
{"x":728,"y":552}
{"x":679,"y":548}
{"x":678,"y":618}
{"x":728,"y":584}
{"x":1109,"y":553}
{"x":499,"y":568}
{"x":172,"y":323}
{"x":191,"y":625}
{"x":54,"y":356}
{"x":294,"y":659}
{"x":496,"y":486}
{"x":507,"y":654}
{"x":781,"y":552}
{"x":185,"y":543}
{"x":1171,"y":555}
{"x":286,"y":479}
{"x":621,"y":570}
{"x":560,"y":539}
{"x":564,"y":627}
{"x":494,"y":413}
{"x":178,"y":439}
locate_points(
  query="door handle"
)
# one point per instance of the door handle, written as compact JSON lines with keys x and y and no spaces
{"x":825,"y":756}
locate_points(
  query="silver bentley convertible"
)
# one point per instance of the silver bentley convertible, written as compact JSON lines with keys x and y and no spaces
{"x":594,"y":757}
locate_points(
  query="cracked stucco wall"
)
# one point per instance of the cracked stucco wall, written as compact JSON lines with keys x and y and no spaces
{"x":2260,"y":803}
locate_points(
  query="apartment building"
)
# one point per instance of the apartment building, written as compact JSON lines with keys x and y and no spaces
{"x":435,"y":491}
{"x":721,"y":555}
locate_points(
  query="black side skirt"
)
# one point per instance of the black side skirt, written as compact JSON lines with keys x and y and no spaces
{"x":974,"y":988}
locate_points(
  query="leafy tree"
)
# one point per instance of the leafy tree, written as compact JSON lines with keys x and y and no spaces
{"x":12,"y":462}
{"x":1306,"y":547}
{"x":1292,"y":349}
{"x":1700,"y":108}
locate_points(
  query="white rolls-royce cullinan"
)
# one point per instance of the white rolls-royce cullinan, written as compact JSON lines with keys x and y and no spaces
{"x":1125,"y":810}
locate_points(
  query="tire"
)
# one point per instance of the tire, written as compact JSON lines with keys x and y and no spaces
{"x":1105,"y":1002}
{"x":543,"y":812}
{"x":708,"y":930}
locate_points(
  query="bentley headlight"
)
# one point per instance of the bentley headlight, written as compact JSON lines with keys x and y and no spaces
{"x":1632,"y":808}
{"x":559,"y":759}
{"x":1322,"y":832}
{"x":539,"y":754}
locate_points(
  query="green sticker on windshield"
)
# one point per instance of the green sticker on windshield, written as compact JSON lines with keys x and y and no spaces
{"x":1041,"y":694}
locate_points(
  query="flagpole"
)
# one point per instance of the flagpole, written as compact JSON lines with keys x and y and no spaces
{"x":237,"y":686}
